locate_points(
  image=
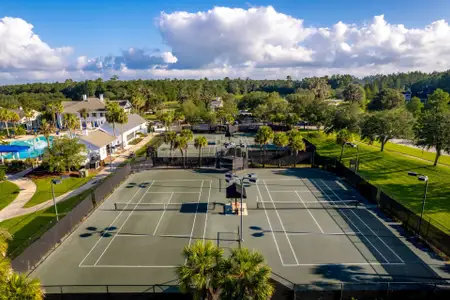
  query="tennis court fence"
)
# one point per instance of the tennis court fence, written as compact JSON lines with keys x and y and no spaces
{"x":430,"y":230}
{"x":284,"y":290}
{"x":41,"y":245}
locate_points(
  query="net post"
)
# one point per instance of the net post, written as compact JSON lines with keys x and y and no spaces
{"x":115,"y":206}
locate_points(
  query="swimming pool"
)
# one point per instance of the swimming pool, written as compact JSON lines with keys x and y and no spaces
{"x":37,"y":146}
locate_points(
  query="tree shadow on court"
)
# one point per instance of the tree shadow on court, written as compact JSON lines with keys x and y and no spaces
{"x":106,"y":232}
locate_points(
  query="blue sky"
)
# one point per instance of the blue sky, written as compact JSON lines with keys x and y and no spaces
{"x":263,"y":39}
{"x":97,"y":28}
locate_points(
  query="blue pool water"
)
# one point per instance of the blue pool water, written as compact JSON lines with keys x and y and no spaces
{"x":37,"y":146}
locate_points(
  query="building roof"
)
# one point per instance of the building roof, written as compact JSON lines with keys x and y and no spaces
{"x":97,"y":138}
{"x":92,"y":104}
{"x":134,"y":120}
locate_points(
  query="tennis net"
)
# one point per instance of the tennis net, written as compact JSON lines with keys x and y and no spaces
{"x":307,"y":204}
{"x":183,"y":207}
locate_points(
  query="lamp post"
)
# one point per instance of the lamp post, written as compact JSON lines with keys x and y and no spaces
{"x":425,"y":179}
{"x":252,"y":178}
{"x":55,"y":181}
{"x":353,"y":145}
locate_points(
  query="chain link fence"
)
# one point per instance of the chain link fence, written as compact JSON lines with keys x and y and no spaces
{"x":38,"y":250}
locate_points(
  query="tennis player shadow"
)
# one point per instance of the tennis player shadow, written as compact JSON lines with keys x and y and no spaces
{"x":106,"y":232}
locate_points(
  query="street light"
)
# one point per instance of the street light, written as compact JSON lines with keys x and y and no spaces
{"x":357,"y":154}
{"x":54,"y":182}
{"x":425,"y":179}
{"x":252,"y":177}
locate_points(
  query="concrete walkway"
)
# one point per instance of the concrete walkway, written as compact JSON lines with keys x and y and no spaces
{"x":28,"y":188}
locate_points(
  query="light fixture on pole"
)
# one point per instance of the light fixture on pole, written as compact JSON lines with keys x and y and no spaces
{"x":252,"y":178}
{"x":424,"y":178}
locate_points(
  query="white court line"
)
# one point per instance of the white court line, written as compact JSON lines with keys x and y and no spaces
{"x":162,"y":215}
{"x":341,"y":185}
{"x":366,"y":225}
{"x":324,"y":233}
{"x":296,"y":191}
{"x":101,"y":236}
{"x":174,"y":235}
{"x":196,"y":211}
{"x":348,"y":264}
{"x":270,"y":226}
{"x":317,"y":223}
{"x":279,"y":179}
{"x":342,"y":211}
{"x":172,"y":192}
{"x":176,"y":180}
{"x":124,"y":266}
{"x":281,"y":223}
{"x":123,"y":224}
{"x":206,"y":218}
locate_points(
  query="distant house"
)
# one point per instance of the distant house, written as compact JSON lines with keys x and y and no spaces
{"x":216,"y":104}
{"x":135,"y":124}
{"x":98,"y":144}
{"x":96,"y":110}
{"x":29,"y":123}
{"x":407,"y":96}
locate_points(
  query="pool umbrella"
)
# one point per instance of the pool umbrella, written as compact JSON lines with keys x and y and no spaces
{"x":12,"y":149}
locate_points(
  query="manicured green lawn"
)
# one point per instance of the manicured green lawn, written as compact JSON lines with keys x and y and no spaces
{"x":44,"y":189}
{"x":430,"y":156}
{"x":388,"y":170}
{"x":26,"y":229}
{"x":171,"y":104}
{"x":9,"y":192}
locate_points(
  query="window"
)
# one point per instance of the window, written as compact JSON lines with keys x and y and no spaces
{"x":101,"y":114}
{"x":94,"y":115}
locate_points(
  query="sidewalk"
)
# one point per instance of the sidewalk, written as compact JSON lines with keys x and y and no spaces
{"x":27,"y":189}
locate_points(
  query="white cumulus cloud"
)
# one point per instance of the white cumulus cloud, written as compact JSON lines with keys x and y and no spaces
{"x":22,"y":49}
{"x":257,"y":42}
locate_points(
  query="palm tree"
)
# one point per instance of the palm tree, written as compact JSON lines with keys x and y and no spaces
{"x":14,"y":118}
{"x":28,"y":113}
{"x":112,"y":112}
{"x":296,"y":145}
{"x":186,"y":133}
{"x":19,"y":286}
{"x":202,"y":270}
{"x":84,"y":113}
{"x":181,"y":143}
{"x":280,"y":140}
{"x":248,"y":276}
{"x":71,"y":122}
{"x":46,"y":130}
{"x":122,"y":118}
{"x":55,"y":108}
{"x":178,"y":117}
{"x":263,"y":136}
{"x":169,"y":138}
{"x":167,"y":119}
{"x":4,"y":117}
{"x":199,"y":143}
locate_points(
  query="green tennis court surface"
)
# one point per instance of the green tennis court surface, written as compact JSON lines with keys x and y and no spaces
{"x":305,"y":222}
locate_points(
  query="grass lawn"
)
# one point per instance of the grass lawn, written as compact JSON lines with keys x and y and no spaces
{"x":388,"y":170}
{"x":430,"y":156}
{"x":156,"y":142}
{"x":28,"y":228}
{"x":171,"y":104}
{"x":9,"y":192}
{"x":44,"y":189}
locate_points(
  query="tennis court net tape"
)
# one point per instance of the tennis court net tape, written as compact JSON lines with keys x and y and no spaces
{"x":307,"y":204}
{"x":185,"y":206}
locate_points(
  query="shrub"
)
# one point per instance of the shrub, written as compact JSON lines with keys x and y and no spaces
{"x":20,"y":131}
{"x":2,"y":172}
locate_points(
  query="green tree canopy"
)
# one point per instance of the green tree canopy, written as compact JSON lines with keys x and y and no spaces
{"x":438,"y":101}
{"x":64,"y":155}
{"x":387,"y":99}
{"x":383,"y":126}
{"x":415,"y":106}
{"x":345,"y":116}
{"x":354,"y":93}
{"x":433,"y":131}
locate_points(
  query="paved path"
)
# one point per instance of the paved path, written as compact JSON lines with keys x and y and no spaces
{"x":28,"y":188}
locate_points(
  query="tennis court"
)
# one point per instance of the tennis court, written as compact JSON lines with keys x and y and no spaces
{"x":310,"y":226}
